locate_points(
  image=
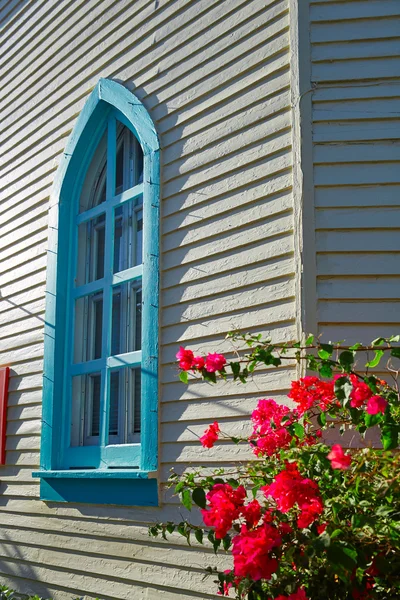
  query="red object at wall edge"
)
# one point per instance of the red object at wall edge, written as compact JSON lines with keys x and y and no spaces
{"x":4,"y":377}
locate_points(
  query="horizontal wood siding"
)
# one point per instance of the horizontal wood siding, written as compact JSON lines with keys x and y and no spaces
{"x":356,"y":131}
{"x":215,"y":78}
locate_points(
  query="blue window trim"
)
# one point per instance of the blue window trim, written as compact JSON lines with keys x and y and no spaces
{"x":58,"y":483}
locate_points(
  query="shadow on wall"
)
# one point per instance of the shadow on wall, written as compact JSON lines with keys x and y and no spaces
{"x":10,"y":10}
{"x":13,"y":568}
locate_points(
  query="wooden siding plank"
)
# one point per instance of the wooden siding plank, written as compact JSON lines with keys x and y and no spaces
{"x":337,"y":11}
{"x":387,"y":195}
{"x":357,"y":29}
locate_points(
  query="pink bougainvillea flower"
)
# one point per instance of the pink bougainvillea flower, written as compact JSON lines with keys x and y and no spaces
{"x":215,"y":362}
{"x":312,"y":391}
{"x":290,"y":489}
{"x":270,"y":435}
{"x":199,"y":362}
{"x":252,"y":513}
{"x":210,"y":435}
{"x":321,"y":528}
{"x":185,"y":358}
{"x":360,"y":393}
{"x":299,"y":595}
{"x":376,"y":405}
{"x":251,"y":552}
{"x":339,"y":460}
{"x":225,"y":505}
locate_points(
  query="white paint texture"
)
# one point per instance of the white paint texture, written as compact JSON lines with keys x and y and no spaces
{"x":356,"y":132}
{"x":215,"y":78}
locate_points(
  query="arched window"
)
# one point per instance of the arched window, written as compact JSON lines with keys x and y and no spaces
{"x":101,"y":334}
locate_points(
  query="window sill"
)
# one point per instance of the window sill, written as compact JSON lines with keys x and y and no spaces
{"x":128,"y":487}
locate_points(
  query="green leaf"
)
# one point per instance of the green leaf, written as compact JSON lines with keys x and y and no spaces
{"x":325,"y":370}
{"x":298,"y":430}
{"x":198,"y":534}
{"x":376,"y":360}
{"x":226,"y":542}
{"x":187,"y":499}
{"x":390,"y":437}
{"x":199,"y":497}
{"x":394,"y":338}
{"x":342,"y":556}
{"x":179,"y":487}
{"x":235,"y":366}
{"x":395,"y":352}
{"x":309,"y":340}
{"x":321,"y":419}
{"x":355,"y":346}
{"x":325,"y":351}
{"x":210,"y":377}
{"x":371,"y":420}
{"x":379,"y":341}
{"x":336,"y":533}
{"x":233,"y":483}
{"x":170,"y":527}
{"x":346,"y":359}
{"x":184,"y":377}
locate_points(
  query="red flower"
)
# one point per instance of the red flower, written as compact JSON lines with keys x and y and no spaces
{"x":361,"y":392}
{"x":210,"y":435}
{"x":339,"y":460}
{"x":312,"y":391}
{"x":224,"y":507}
{"x":376,"y":405}
{"x":186,"y":358}
{"x":252,"y":513}
{"x":299,"y":595}
{"x":215,"y":362}
{"x":290,"y":488}
{"x":321,"y":528}
{"x":269,"y":434}
{"x":199,"y":362}
{"x":251,"y":550}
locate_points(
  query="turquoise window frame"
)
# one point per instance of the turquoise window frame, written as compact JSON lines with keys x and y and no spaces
{"x":135,"y":483}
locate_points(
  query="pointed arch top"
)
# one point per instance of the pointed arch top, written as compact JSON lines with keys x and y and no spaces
{"x":106,"y":95}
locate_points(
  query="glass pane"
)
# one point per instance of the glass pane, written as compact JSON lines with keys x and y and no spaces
{"x":129,"y":163}
{"x":138,"y":227}
{"x":113,"y":425}
{"x":125,"y":410}
{"x":91,"y":246}
{"x":126,"y":318}
{"x":85,"y":424}
{"x":128,"y":235}
{"x":88,"y":327}
{"x":94,"y":185}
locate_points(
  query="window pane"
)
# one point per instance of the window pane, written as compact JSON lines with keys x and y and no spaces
{"x":85,"y":424}
{"x":138,"y":226}
{"x":128,"y":235}
{"x":88,"y":327}
{"x":124,"y":407}
{"x":91,"y":246}
{"x":129,"y":163}
{"x":126,"y":318}
{"x":94,"y":186}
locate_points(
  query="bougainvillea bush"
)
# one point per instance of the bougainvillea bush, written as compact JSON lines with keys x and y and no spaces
{"x":304,"y":520}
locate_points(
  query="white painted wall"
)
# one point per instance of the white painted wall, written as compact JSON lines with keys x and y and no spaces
{"x":214,"y":75}
{"x":355,"y":52}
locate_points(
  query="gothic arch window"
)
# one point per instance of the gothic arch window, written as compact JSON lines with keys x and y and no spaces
{"x":101,"y":335}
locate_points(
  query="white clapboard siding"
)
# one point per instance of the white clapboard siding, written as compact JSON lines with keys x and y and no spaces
{"x":356,"y":134}
{"x":215,"y":78}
